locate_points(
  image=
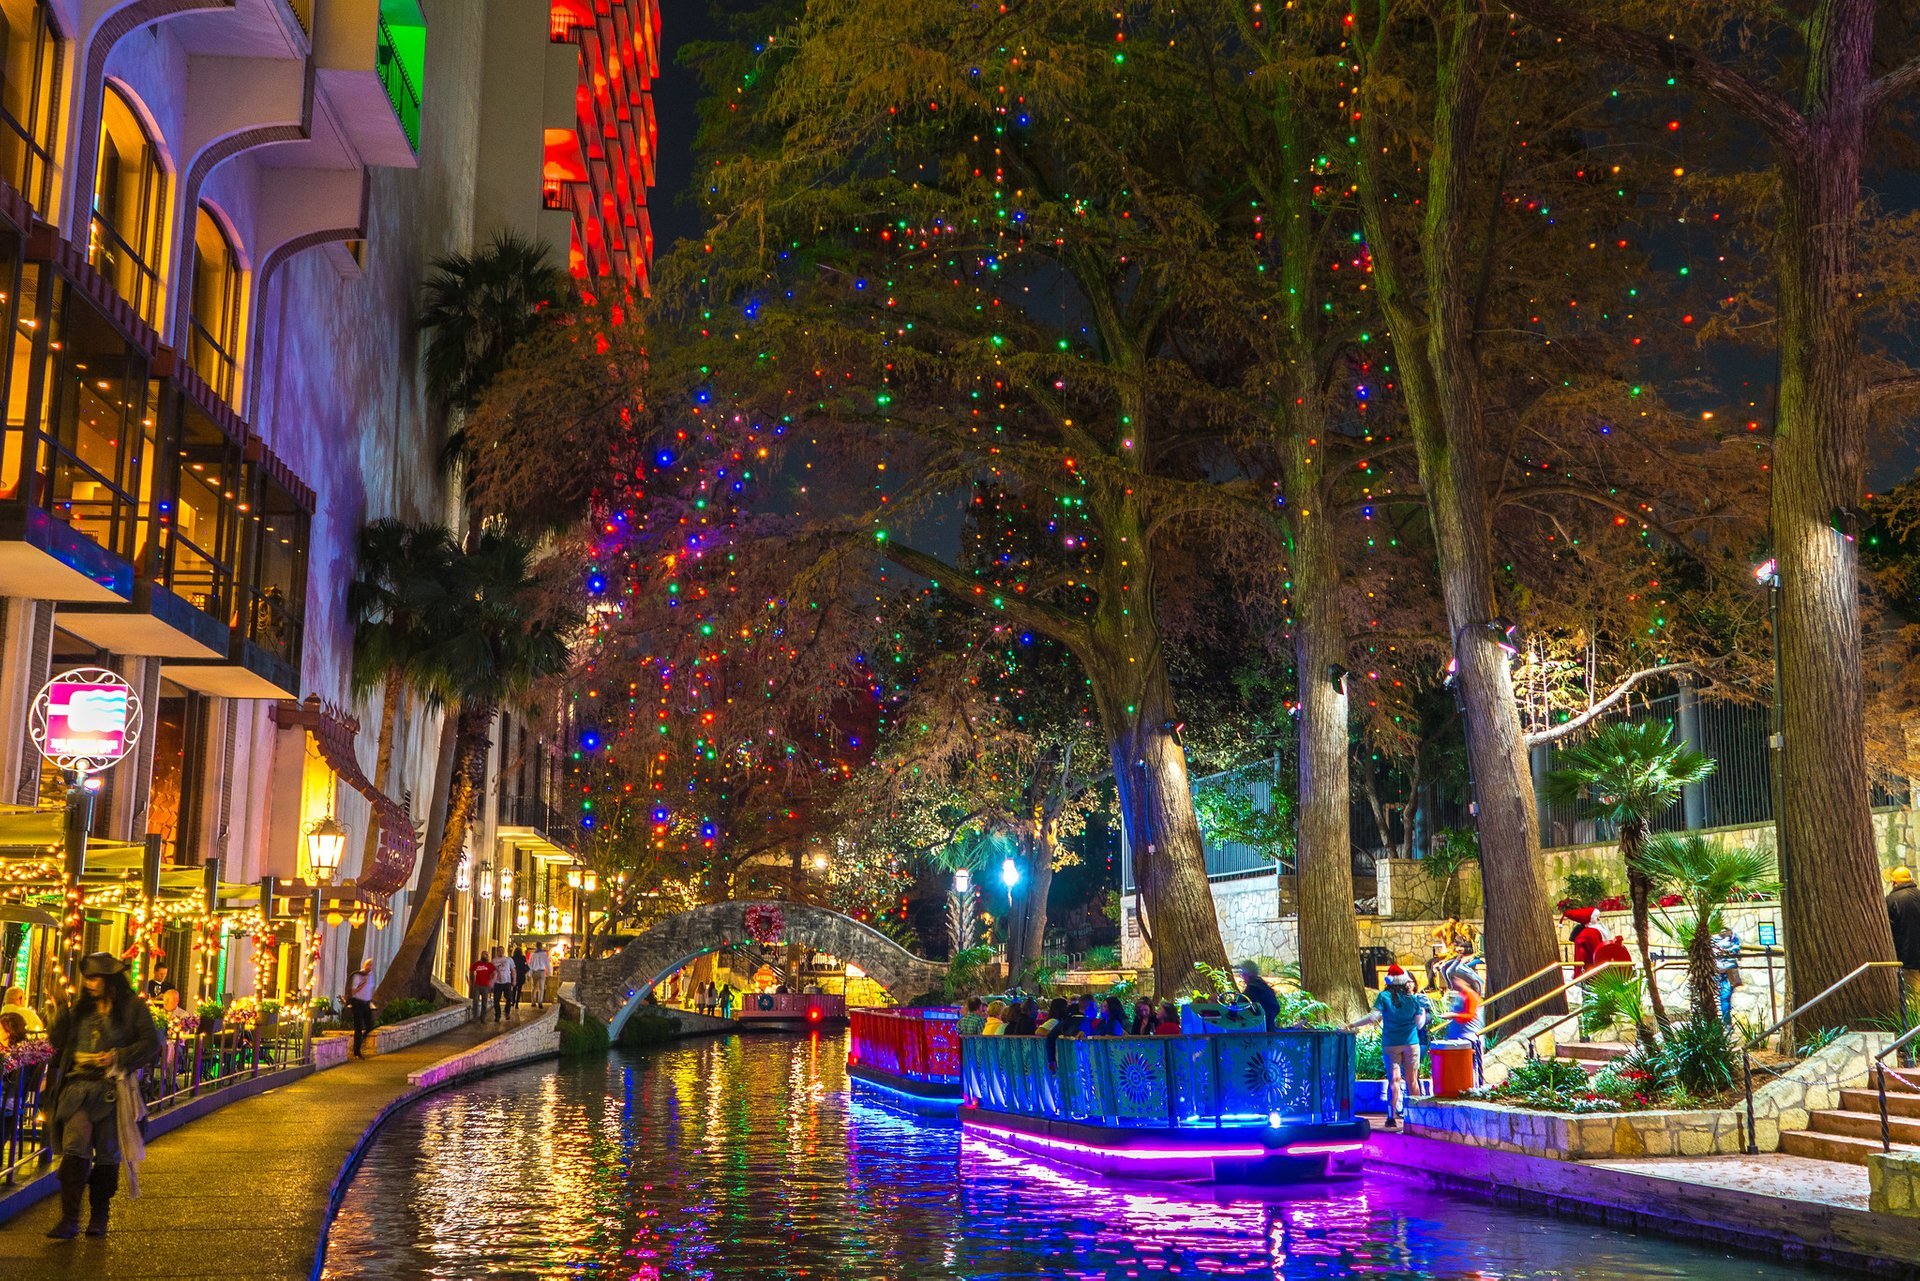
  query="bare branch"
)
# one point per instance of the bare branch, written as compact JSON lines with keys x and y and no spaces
{"x":1757,"y":102}
{"x":1605,"y":705}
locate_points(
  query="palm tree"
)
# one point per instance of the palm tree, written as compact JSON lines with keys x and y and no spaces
{"x":475,"y":307}
{"x":1628,"y":775}
{"x":502,"y":634}
{"x":397,"y":602}
{"x":1706,"y":875}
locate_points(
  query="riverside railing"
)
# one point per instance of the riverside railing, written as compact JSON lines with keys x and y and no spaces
{"x":187,"y":1067}
{"x":918,"y":1043}
{"x":1746,"y":1056}
{"x":1219,"y":1081}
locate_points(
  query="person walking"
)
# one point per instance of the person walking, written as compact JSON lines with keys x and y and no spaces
{"x":1260,"y":992}
{"x":502,"y":984}
{"x":360,"y":1005}
{"x":480,"y":984}
{"x":1402,"y":1014}
{"x":520,"y":971}
{"x":99,"y":1043}
{"x":1903,"y":913}
{"x":539,"y":966}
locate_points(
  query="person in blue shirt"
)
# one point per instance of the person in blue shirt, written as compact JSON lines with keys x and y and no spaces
{"x":1402,"y":1014}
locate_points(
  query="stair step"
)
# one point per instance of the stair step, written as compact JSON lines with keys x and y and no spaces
{"x":1899,"y":1103}
{"x":1844,"y":1148}
{"x":1865,"y":1125}
{"x":1601,"y":1052}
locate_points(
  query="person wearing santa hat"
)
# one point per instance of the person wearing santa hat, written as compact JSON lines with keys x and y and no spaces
{"x":1402,"y":1014}
{"x":1593,"y":943}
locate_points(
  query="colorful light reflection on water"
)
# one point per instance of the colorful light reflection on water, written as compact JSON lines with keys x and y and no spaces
{"x":747,"y":1158}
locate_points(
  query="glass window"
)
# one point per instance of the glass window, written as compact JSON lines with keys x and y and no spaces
{"x":180,"y":725}
{"x":217,"y":290}
{"x":129,"y":208}
{"x":29,"y":90}
{"x":20,"y":296}
{"x":276,"y":572}
{"x":94,"y":450}
{"x":200,"y":535}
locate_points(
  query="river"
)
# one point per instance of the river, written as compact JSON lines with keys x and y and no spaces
{"x":746,"y":1157}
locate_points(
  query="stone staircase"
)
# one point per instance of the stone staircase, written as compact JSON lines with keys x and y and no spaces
{"x":1591,"y":1056}
{"x":1851,"y":1132}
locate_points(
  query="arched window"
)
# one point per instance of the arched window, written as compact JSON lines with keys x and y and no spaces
{"x":129,"y":207}
{"x":219,"y":285}
{"x":29,"y":81}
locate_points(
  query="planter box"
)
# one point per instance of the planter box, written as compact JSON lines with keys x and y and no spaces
{"x":396,"y":1036}
{"x":1369,"y":1096}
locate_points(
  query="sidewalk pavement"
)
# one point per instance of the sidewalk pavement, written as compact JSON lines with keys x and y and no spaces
{"x":243,"y":1191}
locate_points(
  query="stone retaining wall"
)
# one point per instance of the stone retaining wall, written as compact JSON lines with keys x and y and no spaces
{"x":1780,"y":1103}
{"x":539,"y":1039}
{"x":1894,"y":1182}
{"x":421,"y":1027}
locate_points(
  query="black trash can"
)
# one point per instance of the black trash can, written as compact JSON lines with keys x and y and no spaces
{"x":1373,"y":961}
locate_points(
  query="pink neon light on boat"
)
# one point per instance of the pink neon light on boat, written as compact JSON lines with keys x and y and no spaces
{"x":1321,"y":1149}
{"x":1126,"y":1154}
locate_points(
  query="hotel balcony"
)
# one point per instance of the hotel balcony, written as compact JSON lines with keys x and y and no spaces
{"x":369,"y":56}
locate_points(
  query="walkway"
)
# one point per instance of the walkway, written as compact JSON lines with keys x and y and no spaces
{"x":241,"y":1192}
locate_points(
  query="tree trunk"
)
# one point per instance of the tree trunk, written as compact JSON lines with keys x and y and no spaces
{"x":1703,"y":975}
{"x":437,"y":810}
{"x":1640,"y":891}
{"x":1027,"y":914}
{"x":1829,"y":869}
{"x":1441,"y":384}
{"x":382,"y":772}
{"x":410,"y":971}
{"x":1329,"y":932}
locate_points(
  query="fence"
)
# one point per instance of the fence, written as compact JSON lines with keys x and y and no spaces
{"x":188,"y":1066}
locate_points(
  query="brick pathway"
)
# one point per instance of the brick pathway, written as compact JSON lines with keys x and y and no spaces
{"x":241,"y":1192}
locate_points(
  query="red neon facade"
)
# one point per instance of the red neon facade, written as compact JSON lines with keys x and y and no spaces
{"x":601,"y":172}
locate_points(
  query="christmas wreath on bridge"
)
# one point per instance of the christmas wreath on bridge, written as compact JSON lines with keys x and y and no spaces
{"x":766,"y":924}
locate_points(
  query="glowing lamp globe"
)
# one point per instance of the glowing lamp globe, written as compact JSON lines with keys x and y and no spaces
{"x":590,"y":880}
{"x":1010,"y":873}
{"x":573,"y":878}
{"x":506,"y":882}
{"x":326,"y":846}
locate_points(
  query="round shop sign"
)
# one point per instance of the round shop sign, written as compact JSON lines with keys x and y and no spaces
{"x":85,"y":720}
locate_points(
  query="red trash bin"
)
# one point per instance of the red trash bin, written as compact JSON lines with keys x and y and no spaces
{"x":1452,"y":1070}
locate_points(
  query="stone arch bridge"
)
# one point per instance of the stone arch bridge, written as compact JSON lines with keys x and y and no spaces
{"x":616,"y":984}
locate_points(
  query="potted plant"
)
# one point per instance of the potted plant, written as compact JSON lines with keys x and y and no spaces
{"x":211,"y":1013}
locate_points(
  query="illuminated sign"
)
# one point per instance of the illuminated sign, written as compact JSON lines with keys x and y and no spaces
{"x":85,"y":720}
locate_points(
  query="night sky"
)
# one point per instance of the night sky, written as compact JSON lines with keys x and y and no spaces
{"x":674,"y":103}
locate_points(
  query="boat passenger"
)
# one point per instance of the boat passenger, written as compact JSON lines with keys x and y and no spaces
{"x":996,"y":1019}
{"x":1113,"y":1020}
{"x":1067,"y":1023}
{"x":974,"y":1021}
{"x":1023,"y":1019}
{"x":1260,"y":992}
{"x":1057,"y":1009}
{"x":1144,"y":1018}
{"x":1169,"y":1020}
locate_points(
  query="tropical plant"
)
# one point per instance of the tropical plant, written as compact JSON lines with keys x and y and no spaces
{"x":1453,"y":848}
{"x":475,"y":307}
{"x":1369,"y":1058}
{"x":1613,"y":998}
{"x":967,"y":969}
{"x":504,"y":632}
{"x":398,"y":604}
{"x":1700,"y":1056}
{"x":1104,"y":957}
{"x":1216,"y":983}
{"x":1628,"y":775}
{"x":1707,"y":875}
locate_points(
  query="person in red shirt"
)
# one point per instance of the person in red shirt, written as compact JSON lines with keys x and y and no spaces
{"x":1169,"y":1024}
{"x":480,"y":984}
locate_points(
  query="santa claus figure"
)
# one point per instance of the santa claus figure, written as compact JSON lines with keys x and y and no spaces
{"x":1593,"y":943}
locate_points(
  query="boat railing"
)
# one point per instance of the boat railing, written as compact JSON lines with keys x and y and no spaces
{"x":920,"y":1043}
{"x":1212,"y":1081}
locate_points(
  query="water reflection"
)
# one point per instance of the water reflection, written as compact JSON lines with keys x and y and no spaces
{"x":748,"y":1158}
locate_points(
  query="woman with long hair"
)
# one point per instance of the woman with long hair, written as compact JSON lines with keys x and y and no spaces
{"x":99,"y":1043}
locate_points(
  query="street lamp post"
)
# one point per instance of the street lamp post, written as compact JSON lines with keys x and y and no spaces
{"x":1767,"y":574}
{"x":326,"y":847}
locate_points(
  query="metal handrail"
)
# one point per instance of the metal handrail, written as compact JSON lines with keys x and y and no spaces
{"x":1578,"y":980}
{"x":1880,"y":1074}
{"x":1511,"y":988}
{"x":1746,"y":1049}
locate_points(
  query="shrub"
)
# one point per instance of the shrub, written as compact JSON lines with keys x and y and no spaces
{"x":1614,"y":999}
{"x":1584,"y":889}
{"x":406,"y":1007}
{"x":644,"y":1029}
{"x":587,"y":1037}
{"x":209,"y":1010}
{"x":1546,"y":1075}
{"x":1700,"y":1054}
{"x":1369,"y":1060}
{"x":1104,"y":957}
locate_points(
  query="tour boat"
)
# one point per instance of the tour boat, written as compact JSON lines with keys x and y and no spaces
{"x":791,"y":1011}
{"x":1225,"y":1107}
{"x":912,"y":1054}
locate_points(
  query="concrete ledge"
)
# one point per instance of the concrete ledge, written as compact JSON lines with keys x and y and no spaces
{"x":539,"y":1039}
{"x":1800,"y":1227}
{"x":421,"y":1027}
{"x":25,"y":1195}
{"x":1894,"y":1180}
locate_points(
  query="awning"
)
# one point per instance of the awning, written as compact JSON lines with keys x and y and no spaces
{"x":333,"y":732}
